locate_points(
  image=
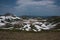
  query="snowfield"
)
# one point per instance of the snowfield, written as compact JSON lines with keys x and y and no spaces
{"x":37,"y":26}
{"x":2,"y":24}
{"x":27,"y":27}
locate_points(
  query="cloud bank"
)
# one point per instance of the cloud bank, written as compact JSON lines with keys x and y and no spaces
{"x":36,"y":8}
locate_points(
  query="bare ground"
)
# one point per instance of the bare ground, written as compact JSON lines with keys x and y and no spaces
{"x":9,"y":35}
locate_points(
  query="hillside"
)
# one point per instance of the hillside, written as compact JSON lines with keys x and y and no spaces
{"x":25,"y":23}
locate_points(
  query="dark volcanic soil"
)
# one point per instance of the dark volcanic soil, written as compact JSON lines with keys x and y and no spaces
{"x":8,"y":35}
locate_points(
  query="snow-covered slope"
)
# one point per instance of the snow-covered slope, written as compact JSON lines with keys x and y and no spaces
{"x":7,"y":19}
{"x":2,"y":24}
{"x":37,"y":26}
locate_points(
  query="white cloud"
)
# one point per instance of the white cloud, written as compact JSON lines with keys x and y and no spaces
{"x":29,"y":2}
{"x":44,"y":6}
{"x":24,"y":3}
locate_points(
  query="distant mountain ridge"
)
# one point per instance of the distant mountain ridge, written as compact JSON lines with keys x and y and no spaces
{"x":39,"y":16}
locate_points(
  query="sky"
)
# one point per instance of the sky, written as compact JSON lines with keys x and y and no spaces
{"x":30,"y":7}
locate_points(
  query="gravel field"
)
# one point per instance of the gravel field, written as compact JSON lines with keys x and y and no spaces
{"x":16,"y":35}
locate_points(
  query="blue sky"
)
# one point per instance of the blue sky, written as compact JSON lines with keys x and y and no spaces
{"x":31,"y":7}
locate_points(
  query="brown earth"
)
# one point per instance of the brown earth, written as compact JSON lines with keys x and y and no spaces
{"x":9,"y":35}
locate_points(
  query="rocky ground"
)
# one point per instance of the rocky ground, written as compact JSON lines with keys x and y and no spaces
{"x":17,"y":35}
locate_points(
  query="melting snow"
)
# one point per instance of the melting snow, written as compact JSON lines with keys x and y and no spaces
{"x":38,"y":27}
{"x":27,"y":27}
{"x":2,"y":24}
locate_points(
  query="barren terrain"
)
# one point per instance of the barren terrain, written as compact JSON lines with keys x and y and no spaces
{"x":17,"y":35}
